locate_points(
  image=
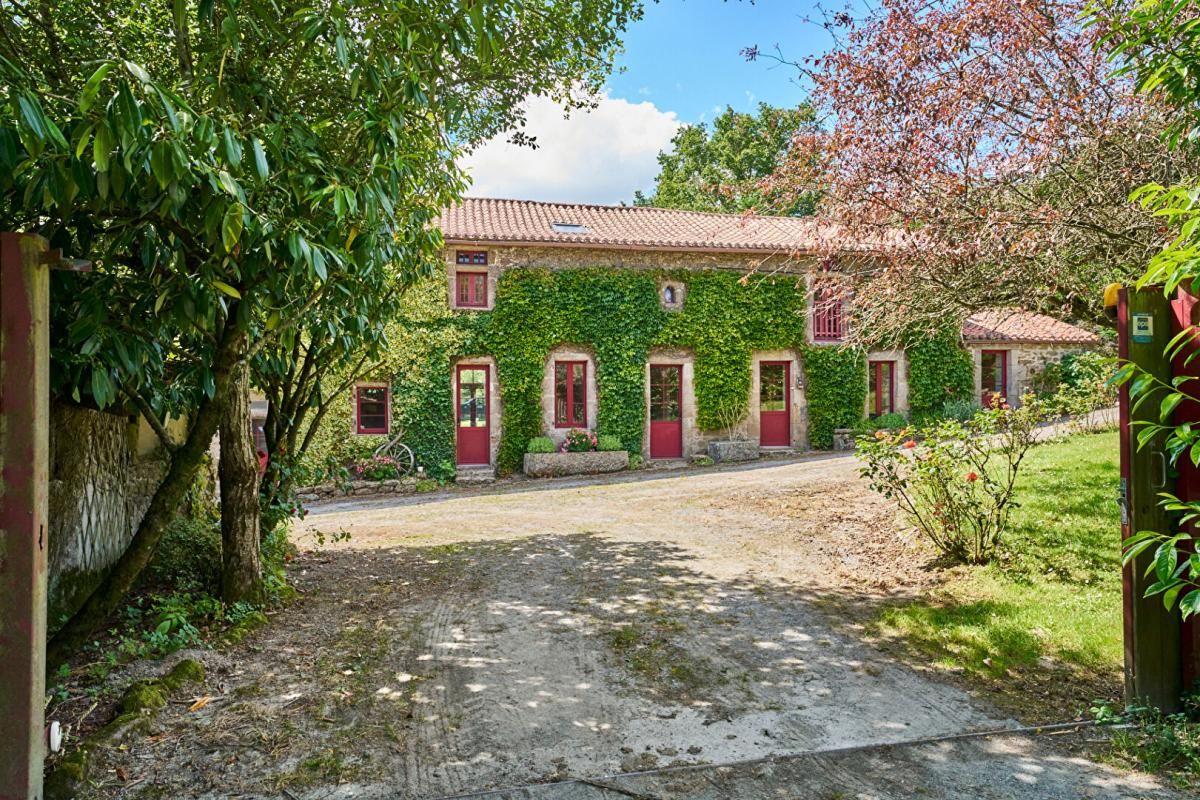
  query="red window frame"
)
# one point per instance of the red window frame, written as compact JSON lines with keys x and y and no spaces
{"x":828,"y":317}
{"x":876,"y":374}
{"x":476,"y":290}
{"x":570,"y":421}
{"x":359,"y":427}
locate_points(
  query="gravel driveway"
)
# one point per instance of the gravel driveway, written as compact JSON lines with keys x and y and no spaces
{"x":646,"y":630}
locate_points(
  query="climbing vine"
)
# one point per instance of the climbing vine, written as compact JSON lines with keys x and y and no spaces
{"x":613,"y":313}
{"x":939,"y":369}
{"x":836,"y":388}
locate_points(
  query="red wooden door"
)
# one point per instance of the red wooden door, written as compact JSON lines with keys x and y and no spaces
{"x":881,"y":387}
{"x":774,"y":404}
{"x":474,"y":433}
{"x":666,"y":411}
{"x":993,"y":375}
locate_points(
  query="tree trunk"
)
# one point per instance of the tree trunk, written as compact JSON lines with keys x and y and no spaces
{"x":241,"y":567}
{"x":185,"y":462}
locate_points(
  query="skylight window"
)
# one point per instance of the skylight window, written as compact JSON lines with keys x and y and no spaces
{"x":569,"y":227}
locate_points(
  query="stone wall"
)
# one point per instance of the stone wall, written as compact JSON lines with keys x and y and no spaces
{"x":502,"y":257}
{"x":99,"y":490}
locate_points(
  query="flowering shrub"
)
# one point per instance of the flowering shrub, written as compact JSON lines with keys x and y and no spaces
{"x":578,"y":441}
{"x":955,"y":480}
{"x":376,"y":468}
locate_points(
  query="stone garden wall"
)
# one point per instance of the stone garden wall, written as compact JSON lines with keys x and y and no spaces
{"x":99,"y":490}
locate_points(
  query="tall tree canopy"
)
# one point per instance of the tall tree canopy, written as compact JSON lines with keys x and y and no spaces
{"x":986,"y":147}
{"x":240,"y":171}
{"x":723,"y":169}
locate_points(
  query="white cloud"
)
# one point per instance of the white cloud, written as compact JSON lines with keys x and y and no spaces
{"x":601,"y":156}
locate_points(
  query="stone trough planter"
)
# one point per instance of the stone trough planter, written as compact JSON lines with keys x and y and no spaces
{"x":743,"y":450}
{"x":549,"y":465}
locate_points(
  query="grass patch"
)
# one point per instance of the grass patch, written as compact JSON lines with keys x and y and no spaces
{"x":1054,"y":592}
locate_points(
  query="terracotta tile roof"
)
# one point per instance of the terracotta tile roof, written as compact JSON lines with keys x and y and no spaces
{"x":1010,"y":325}
{"x":482,"y":219}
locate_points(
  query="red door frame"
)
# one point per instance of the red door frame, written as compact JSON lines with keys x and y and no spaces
{"x":877,"y":371}
{"x":676,"y":445}
{"x":487,"y":414}
{"x":787,"y":404}
{"x":986,"y":394}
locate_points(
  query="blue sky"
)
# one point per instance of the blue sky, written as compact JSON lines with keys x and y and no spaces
{"x":681,"y":64}
{"x":685,"y":55}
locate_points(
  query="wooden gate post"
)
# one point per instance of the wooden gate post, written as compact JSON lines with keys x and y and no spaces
{"x":1152,"y":653}
{"x":24,"y":431}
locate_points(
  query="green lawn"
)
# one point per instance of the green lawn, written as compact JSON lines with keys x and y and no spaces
{"x":1055,"y":592}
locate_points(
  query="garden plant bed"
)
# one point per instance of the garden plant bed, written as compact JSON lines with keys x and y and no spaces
{"x":552,"y":465}
{"x":328,"y":491}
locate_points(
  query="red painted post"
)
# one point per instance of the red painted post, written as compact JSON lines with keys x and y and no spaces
{"x":24,"y":421}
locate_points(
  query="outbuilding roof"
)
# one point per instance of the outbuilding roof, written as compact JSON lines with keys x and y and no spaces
{"x":1012,"y":325}
{"x":486,"y":220}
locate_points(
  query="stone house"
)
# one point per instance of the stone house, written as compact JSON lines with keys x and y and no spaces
{"x":531,"y":359}
{"x":1009,"y":346}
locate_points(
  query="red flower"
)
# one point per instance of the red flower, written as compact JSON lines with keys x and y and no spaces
{"x":972,"y":477}
{"x":910,"y":444}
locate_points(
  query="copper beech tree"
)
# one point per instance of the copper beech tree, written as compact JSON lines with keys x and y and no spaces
{"x":988,"y":149}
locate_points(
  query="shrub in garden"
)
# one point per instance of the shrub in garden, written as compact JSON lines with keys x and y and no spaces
{"x":961,"y":409}
{"x":376,"y":468}
{"x":955,"y":479}
{"x":608,"y":443}
{"x":540,"y":444}
{"x":188,"y":557}
{"x":578,"y":441}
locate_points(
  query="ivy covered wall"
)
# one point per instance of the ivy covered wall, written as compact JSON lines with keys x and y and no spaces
{"x":835,"y":382}
{"x":613,"y":312}
{"x":616,"y":314}
{"x":939,"y":369}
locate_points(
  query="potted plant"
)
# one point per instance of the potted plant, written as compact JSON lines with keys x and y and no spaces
{"x":736,"y":446}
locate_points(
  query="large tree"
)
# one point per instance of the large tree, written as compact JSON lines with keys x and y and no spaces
{"x":239,"y":169}
{"x":723,"y":169}
{"x":987,"y":150}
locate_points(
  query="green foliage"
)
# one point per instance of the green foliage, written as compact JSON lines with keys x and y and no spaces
{"x":542,"y":444}
{"x":939,"y":369}
{"x":609,"y":443}
{"x":723,"y":170}
{"x":836,"y":383}
{"x":960,"y":410}
{"x":1150,"y":740}
{"x":188,"y":556}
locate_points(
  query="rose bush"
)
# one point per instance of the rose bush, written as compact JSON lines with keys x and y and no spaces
{"x":578,"y":441}
{"x":955,"y":480}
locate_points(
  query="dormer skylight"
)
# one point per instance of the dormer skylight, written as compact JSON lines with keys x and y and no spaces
{"x":569,"y":227}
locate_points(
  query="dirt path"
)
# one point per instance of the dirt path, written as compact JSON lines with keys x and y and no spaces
{"x":529,"y":637}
